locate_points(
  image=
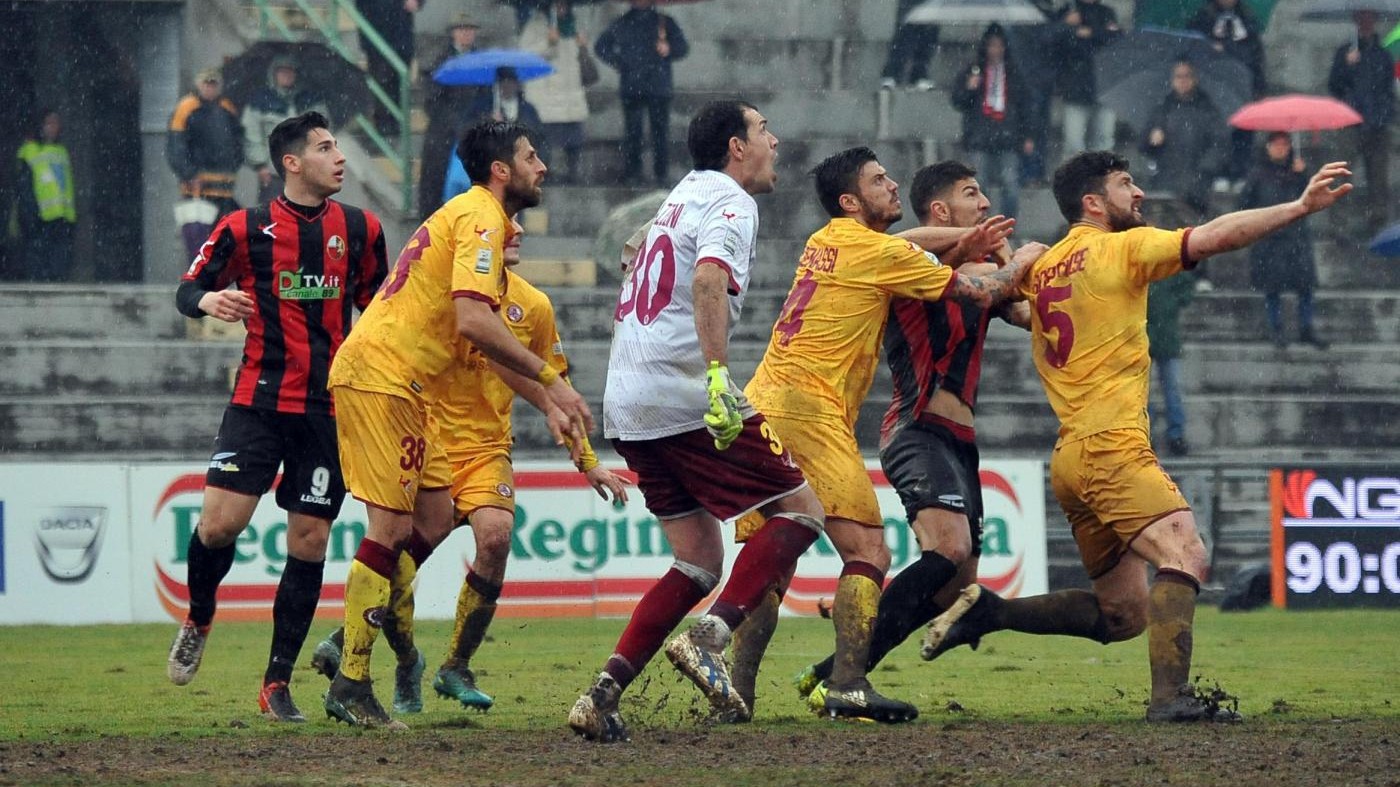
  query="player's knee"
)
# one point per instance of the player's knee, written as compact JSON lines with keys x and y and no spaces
{"x":308,"y":542}
{"x":493,"y":544}
{"x":1125,"y":618}
{"x":703,"y":577}
{"x":216,"y":530}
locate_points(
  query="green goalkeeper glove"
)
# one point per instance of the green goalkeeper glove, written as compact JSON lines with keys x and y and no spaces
{"x":723,"y":419}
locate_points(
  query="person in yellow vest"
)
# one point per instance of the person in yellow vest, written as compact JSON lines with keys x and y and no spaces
{"x":46,"y":211}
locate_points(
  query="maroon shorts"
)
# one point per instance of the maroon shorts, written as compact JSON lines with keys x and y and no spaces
{"x":683,"y":473}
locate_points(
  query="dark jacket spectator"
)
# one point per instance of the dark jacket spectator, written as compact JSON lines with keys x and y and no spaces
{"x":1186,"y":137}
{"x":205,"y":143}
{"x":506,"y":101}
{"x":1234,"y":32}
{"x":276,"y":101}
{"x":631,"y":45}
{"x":1087,"y":26}
{"x":1281,"y":261}
{"x":993,"y":112}
{"x":394,"y":21}
{"x":1368,"y":84}
{"x":446,"y":107}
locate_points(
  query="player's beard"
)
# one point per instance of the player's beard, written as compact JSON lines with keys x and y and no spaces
{"x":1119,"y":221}
{"x":521,"y":192}
{"x":880,"y":218}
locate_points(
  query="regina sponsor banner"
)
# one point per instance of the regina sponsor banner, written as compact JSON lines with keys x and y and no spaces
{"x":66,"y":553}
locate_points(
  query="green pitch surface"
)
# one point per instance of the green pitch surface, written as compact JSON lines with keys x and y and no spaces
{"x":1320,"y":691}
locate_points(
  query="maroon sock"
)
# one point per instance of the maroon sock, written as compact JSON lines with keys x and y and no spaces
{"x":418,"y":548}
{"x":761,"y":565}
{"x":659,"y":611}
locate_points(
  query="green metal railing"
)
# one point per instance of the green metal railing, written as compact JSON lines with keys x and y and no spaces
{"x":398,"y":151}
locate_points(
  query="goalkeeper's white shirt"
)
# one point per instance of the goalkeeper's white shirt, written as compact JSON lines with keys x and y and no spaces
{"x":656,"y":372}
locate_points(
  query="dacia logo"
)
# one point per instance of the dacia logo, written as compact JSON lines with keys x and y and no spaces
{"x":68,"y":539}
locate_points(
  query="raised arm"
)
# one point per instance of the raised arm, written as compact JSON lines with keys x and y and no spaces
{"x":1243,"y":227}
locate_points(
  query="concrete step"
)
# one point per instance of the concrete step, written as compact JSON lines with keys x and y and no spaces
{"x":119,"y":368}
{"x":113,"y":312}
{"x":183,"y":426}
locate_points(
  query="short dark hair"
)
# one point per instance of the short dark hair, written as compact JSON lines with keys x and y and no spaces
{"x":932,"y":182}
{"x":711,"y":129}
{"x":289,"y":136}
{"x":487,"y":142}
{"x":1084,"y":174}
{"x":839,"y":174}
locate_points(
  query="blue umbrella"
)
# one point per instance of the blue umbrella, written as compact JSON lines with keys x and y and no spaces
{"x":479,"y":68}
{"x":1387,"y":242}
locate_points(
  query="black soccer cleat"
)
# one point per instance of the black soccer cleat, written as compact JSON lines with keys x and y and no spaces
{"x":862,"y":701}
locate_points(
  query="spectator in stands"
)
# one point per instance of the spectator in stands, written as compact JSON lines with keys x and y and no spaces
{"x":1234,"y":31}
{"x":272,"y":104}
{"x":1283,"y":261}
{"x":447,"y":107}
{"x":642,"y":44}
{"x":45,"y":210}
{"x":1363,"y":75}
{"x":1165,"y":300}
{"x":553,"y":33}
{"x":911,"y":47}
{"x":393,"y":19}
{"x":504,"y":102}
{"x":205,"y":146}
{"x":991,"y":96}
{"x":1086,"y":26}
{"x":1185,"y":136}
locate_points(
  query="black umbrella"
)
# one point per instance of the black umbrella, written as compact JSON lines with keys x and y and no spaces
{"x":1135,"y":73}
{"x":333,"y":80}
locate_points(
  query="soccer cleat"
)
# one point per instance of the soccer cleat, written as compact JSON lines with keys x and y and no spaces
{"x":275,"y":702}
{"x":408,"y":685}
{"x":595,"y":715}
{"x":186,"y":652}
{"x":806,"y":681}
{"x":816,"y":699}
{"x":862,"y":701}
{"x":948,"y":630}
{"x":708,"y":670}
{"x":325,"y":659}
{"x":458,"y":683}
{"x":353,"y":702}
{"x":1188,"y":706}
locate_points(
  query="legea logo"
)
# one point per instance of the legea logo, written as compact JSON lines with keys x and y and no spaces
{"x":68,"y":540}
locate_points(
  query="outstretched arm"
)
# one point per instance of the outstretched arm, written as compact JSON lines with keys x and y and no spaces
{"x":1243,"y":227}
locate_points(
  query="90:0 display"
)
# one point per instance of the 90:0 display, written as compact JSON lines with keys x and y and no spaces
{"x":1343,"y":568}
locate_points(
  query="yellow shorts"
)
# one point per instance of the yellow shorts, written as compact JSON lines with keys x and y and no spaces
{"x":482,"y":480}
{"x":388,"y":452}
{"x":829,"y":457}
{"x":1111,"y":488}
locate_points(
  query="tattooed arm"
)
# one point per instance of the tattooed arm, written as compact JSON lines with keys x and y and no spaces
{"x":989,"y":289}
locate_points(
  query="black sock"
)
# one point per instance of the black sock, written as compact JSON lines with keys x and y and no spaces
{"x":1073,"y":613}
{"x":206,"y":569}
{"x":292,"y":611}
{"x":908,"y":603}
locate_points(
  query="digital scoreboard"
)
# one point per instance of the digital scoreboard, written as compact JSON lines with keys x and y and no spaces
{"x":1336,"y":537}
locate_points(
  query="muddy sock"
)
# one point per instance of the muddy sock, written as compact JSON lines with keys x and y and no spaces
{"x":398,"y":624}
{"x":765,"y":559}
{"x":476,"y":607}
{"x":750,"y":641}
{"x":853,"y":613}
{"x":659,"y":611}
{"x":1171,"y":608}
{"x":206,"y":569}
{"x":292,"y":610}
{"x":908,"y":603}
{"x":366,"y":599}
{"x":1073,"y":613}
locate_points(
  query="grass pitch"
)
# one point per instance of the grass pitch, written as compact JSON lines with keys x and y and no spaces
{"x":92,"y":703}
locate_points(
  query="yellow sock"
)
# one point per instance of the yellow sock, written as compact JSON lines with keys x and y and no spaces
{"x":476,"y":606}
{"x":366,"y":599}
{"x":853,"y":613}
{"x":398,"y":628}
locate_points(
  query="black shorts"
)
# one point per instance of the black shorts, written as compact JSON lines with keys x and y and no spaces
{"x":930,"y":467}
{"x":252,"y":444}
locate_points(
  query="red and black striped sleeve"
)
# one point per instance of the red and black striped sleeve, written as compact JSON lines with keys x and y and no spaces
{"x":220,"y":262}
{"x":373,"y":265}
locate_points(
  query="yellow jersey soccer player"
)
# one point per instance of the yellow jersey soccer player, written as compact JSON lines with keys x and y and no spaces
{"x":445,"y":288}
{"x":817,"y":371}
{"x":1088,"y":333}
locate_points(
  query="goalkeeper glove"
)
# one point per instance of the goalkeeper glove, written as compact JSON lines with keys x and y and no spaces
{"x":723,"y":419}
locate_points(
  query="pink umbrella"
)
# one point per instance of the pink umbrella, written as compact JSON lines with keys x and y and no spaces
{"x":1295,"y":112}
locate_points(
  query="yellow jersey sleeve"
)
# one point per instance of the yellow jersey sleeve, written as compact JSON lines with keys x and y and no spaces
{"x":904,"y":270}
{"x":1154,"y":254}
{"x":478,"y":261}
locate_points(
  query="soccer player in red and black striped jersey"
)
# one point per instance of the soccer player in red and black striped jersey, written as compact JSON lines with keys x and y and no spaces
{"x":298,"y":266}
{"x":934,"y":351}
